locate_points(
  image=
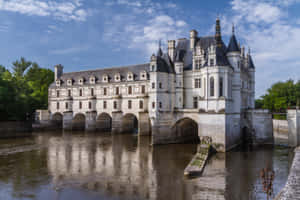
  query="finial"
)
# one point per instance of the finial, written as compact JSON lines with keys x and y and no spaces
{"x":232,"y":28}
{"x":249,"y":50}
{"x":159,"y":43}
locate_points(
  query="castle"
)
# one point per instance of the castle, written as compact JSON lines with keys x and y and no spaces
{"x":200,"y":87}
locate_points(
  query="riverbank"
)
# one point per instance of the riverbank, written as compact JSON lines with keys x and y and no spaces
{"x":292,"y":187}
{"x":9,"y":129}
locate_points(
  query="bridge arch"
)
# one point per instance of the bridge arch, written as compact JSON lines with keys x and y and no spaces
{"x":186,"y":130}
{"x":130,"y":123}
{"x":57,"y":120}
{"x":78,"y":122}
{"x":104,"y":122}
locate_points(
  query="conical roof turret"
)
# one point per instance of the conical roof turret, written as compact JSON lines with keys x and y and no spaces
{"x":233,"y":44}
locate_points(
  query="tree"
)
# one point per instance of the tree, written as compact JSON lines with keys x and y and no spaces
{"x":24,"y":90}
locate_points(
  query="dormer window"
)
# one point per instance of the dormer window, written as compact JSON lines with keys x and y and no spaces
{"x":130,"y":76}
{"x":197,"y":63}
{"x":152,"y":68}
{"x":143,"y":75}
{"x":117,"y":78}
{"x":211,"y":62}
{"x":69,"y":82}
{"x":80,"y":81}
{"x":58,"y":82}
{"x":92,"y":80}
{"x":105,"y":78}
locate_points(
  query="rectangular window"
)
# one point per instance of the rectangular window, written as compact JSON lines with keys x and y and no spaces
{"x":104,"y":105}
{"x":141,"y":104}
{"x":57,"y":105}
{"x":80,"y":105}
{"x":153,"y":104}
{"x":160,"y":85}
{"x":67,"y":105}
{"x":80,"y":92}
{"x":153,"y":85}
{"x":117,"y":91}
{"x":104,"y":91}
{"x":115,"y":105}
{"x":57,"y":93}
{"x":130,"y":90}
{"x":90,"y":105}
{"x":212,"y":63}
{"x":69,"y":93}
{"x":160,"y":105}
{"x":195,"y":102}
{"x":129,"y":104}
{"x":143,"y":89}
{"x":92,"y":91}
{"x":198,"y":83}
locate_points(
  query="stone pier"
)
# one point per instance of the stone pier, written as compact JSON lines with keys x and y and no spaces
{"x":67,"y":121}
{"x":116,"y":126}
{"x":293,"y":117}
{"x":90,"y":121}
{"x":292,"y":187}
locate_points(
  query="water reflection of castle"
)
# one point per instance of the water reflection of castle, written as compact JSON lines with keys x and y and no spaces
{"x":128,"y":167}
{"x":100,"y":165}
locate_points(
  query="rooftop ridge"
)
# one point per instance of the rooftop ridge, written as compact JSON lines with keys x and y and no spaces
{"x":107,"y":68}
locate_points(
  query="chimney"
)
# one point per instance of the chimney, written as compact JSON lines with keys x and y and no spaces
{"x":58,"y":71}
{"x":193,"y":38}
{"x":171,"y":49}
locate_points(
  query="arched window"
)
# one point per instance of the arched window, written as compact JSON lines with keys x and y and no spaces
{"x":212,"y":86}
{"x":221,"y":87}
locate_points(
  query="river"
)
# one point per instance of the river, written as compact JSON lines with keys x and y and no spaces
{"x":77,"y":166}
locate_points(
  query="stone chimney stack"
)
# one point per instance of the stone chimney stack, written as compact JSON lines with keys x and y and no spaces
{"x":193,"y":38}
{"x":58,"y":71}
{"x":171,"y":49}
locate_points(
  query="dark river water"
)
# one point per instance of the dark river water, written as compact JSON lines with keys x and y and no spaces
{"x":79,"y":166}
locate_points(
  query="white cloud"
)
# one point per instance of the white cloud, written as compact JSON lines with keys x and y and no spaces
{"x":65,"y":11}
{"x":272,"y":36}
{"x":70,"y":50}
{"x":3,"y":28}
{"x":146,"y":24}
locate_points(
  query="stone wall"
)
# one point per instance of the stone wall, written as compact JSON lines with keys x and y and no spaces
{"x":15,"y":129}
{"x":292,"y":187}
{"x":280,"y":126}
{"x":260,"y":125}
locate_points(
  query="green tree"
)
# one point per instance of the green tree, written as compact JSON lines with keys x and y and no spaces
{"x":24,"y":90}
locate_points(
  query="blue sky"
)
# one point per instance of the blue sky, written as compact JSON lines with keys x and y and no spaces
{"x":88,"y":34}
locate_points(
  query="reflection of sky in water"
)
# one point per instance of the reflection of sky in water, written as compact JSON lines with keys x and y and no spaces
{"x":126,"y":167}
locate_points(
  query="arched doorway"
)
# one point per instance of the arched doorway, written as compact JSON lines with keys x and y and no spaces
{"x":78,"y":122}
{"x":103,"y":122}
{"x":57,"y":120}
{"x":186,"y":130}
{"x":129,"y":123}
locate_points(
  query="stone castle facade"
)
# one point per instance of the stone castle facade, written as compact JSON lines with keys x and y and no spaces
{"x":200,"y":87}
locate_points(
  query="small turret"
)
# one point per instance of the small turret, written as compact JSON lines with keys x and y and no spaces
{"x":233,"y":45}
{"x":218,"y":36}
{"x":159,"y":52}
{"x":171,"y":49}
{"x":58,"y":71}
{"x":193,"y":38}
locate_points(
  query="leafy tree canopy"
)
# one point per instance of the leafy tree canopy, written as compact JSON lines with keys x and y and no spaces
{"x":23,"y":90}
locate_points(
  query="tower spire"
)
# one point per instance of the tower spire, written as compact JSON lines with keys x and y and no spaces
{"x":218,"y":35}
{"x":159,"y":52}
{"x":232,"y":29}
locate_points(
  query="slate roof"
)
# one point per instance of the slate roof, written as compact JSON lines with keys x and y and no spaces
{"x":98,"y":73}
{"x":250,"y":62}
{"x":233,"y":45}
